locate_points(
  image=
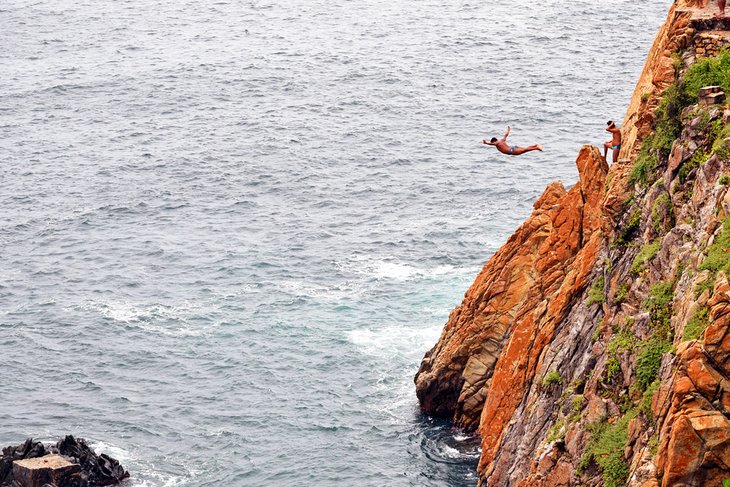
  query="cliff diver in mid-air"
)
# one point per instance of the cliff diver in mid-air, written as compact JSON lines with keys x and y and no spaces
{"x":510,"y":150}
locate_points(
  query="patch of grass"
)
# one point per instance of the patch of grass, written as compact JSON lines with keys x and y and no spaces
{"x":595,"y":295}
{"x":653,"y":444}
{"x":697,"y":159}
{"x":668,"y":126}
{"x":622,"y":341}
{"x":646,"y":398}
{"x":630,"y":229}
{"x":551,"y":378}
{"x":716,"y":129}
{"x":707,"y":285}
{"x":606,"y":449}
{"x":644,"y":165}
{"x":649,"y":361}
{"x":613,"y":367}
{"x":662,"y":210}
{"x":597,"y":331}
{"x":659,"y":303}
{"x":707,"y":72}
{"x":645,"y":255}
{"x":668,"y":121}
{"x":724,"y":180}
{"x":621,"y":294}
{"x":578,"y":403}
{"x":697,"y":324}
{"x":718,"y":254}
{"x":556,"y":431}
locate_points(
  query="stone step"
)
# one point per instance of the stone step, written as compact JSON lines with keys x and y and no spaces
{"x":708,"y":90}
{"x":50,"y":469}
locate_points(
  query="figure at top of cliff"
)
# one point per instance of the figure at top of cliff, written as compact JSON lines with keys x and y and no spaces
{"x":614,"y":143}
{"x":511,"y":150}
{"x":721,"y":6}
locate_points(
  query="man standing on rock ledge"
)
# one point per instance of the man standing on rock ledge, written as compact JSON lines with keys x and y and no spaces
{"x":510,"y":150}
{"x":721,"y":6}
{"x":614,"y":143}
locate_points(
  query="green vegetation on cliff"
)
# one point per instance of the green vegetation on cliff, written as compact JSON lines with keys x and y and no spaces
{"x":606,"y":450}
{"x":707,"y":72}
{"x":668,"y":127}
{"x":697,"y":324}
{"x":718,"y":254}
{"x":645,"y":255}
{"x":595,"y":295}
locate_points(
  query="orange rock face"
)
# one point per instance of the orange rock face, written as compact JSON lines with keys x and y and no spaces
{"x":696,"y":431}
{"x":565,"y":260}
{"x":513,"y":305}
{"x":526,"y":319}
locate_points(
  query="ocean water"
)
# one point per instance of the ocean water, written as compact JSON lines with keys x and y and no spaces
{"x":230,"y":230}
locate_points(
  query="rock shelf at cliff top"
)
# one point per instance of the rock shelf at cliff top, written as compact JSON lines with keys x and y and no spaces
{"x":593,"y":348}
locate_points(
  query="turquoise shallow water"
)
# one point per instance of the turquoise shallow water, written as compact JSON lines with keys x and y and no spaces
{"x":230,"y":230}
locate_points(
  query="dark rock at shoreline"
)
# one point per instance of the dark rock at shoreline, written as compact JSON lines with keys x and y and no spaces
{"x":96,"y":470}
{"x":101,"y":469}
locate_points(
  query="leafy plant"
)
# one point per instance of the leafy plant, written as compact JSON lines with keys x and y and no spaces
{"x":645,"y":255}
{"x":659,"y":302}
{"x":551,"y":378}
{"x":621,"y":294}
{"x":706,"y":72}
{"x":595,"y":295}
{"x":718,"y":254}
{"x":649,"y":361}
{"x":644,"y":165}
{"x":646,"y":399}
{"x":698,"y":158}
{"x":556,"y":431}
{"x":622,"y":341}
{"x":697,"y":324}
{"x":606,"y":449}
{"x":662,"y":210}
{"x":630,"y":229}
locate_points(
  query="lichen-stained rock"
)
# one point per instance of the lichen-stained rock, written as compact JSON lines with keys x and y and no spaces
{"x":516,"y":299}
{"x":696,"y":431}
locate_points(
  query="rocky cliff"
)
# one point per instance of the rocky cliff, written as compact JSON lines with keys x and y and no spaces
{"x":593,"y":347}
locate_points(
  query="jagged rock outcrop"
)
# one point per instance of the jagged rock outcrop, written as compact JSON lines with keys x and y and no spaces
{"x":515,"y":302}
{"x":695,"y":447}
{"x":594,"y":346}
{"x":92,"y":469}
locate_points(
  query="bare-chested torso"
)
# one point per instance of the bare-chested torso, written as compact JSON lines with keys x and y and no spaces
{"x":503,"y":147}
{"x":616,"y":137}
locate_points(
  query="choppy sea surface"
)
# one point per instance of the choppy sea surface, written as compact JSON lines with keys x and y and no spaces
{"x":230,"y":230}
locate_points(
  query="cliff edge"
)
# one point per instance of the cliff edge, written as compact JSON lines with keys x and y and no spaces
{"x":593,"y":348}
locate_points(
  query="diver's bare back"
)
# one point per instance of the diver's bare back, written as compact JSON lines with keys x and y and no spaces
{"x":504,"y":148}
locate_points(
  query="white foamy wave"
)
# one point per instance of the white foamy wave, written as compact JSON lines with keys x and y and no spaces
{"x":449,"y":452}
{"x":395,"y":340}
{"x":144,"y":474}
{"x":389,"y":268}
{"x":333,"y":294}
{"x":157,"y":479}
{"x":149,"y":317}
{"x":120,"y":454}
